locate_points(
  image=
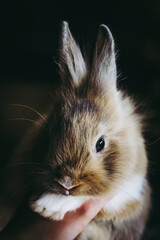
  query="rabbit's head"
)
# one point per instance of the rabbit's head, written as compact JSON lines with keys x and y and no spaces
{"x":94,"y":131}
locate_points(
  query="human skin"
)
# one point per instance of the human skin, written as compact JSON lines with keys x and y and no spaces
{"x":35,"y":227}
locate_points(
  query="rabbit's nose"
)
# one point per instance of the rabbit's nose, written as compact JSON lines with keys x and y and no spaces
{"x":67,"y":183}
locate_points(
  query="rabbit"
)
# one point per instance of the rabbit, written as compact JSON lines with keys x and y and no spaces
{"x":93,"y":146}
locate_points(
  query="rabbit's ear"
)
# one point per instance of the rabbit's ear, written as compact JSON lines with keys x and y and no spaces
{"x":104,"y":65}
{"x":72,"y":65}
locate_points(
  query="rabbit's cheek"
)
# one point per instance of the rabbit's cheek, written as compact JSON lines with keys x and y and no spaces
{"x":130,"y":190}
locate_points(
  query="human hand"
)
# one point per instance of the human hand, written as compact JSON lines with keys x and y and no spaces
{"x":35,"y":227}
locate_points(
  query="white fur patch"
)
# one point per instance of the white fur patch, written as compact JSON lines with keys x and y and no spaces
{"x":129,"y":191}
{"x":56,"y":206}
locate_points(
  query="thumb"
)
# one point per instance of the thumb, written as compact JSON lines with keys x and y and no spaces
{"x":74,"y":222}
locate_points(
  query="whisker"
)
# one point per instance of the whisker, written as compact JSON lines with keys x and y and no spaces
{"x":153,"y":142}
{"x":25,"y":119}
{"x":21,"y":188}
{"x":40,"y":173}
{"x":25,"y":106}
{"x":132,"y":197}
{"x":23,"y":163}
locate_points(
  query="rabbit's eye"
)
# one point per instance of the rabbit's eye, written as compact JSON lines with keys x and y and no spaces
{"x":100,"y":145}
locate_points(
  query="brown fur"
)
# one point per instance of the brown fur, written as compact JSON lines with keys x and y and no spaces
{"x":87,"y":106}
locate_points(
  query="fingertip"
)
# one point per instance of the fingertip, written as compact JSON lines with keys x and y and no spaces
{"x":91,"y":207}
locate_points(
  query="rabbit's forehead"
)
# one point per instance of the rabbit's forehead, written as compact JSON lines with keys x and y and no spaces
{"x":84,"y":113}
{"x":75,"y":107}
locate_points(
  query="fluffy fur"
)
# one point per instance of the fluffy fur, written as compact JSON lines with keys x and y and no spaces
{"x":59,"y":205}
{"x":66,"y":170}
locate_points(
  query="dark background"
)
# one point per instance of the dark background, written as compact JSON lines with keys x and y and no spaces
{"x":29,"y":41}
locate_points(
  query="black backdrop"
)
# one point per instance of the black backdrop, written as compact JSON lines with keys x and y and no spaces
{"x":29,"y":39}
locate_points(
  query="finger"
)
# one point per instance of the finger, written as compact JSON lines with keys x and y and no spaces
{"x":74,"y":222}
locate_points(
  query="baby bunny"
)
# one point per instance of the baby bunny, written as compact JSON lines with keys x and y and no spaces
{"x":93,"y":147}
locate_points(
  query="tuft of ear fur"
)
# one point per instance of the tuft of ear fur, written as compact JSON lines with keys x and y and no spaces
{"x":72,"y":64}
{"x":104,"y":64}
